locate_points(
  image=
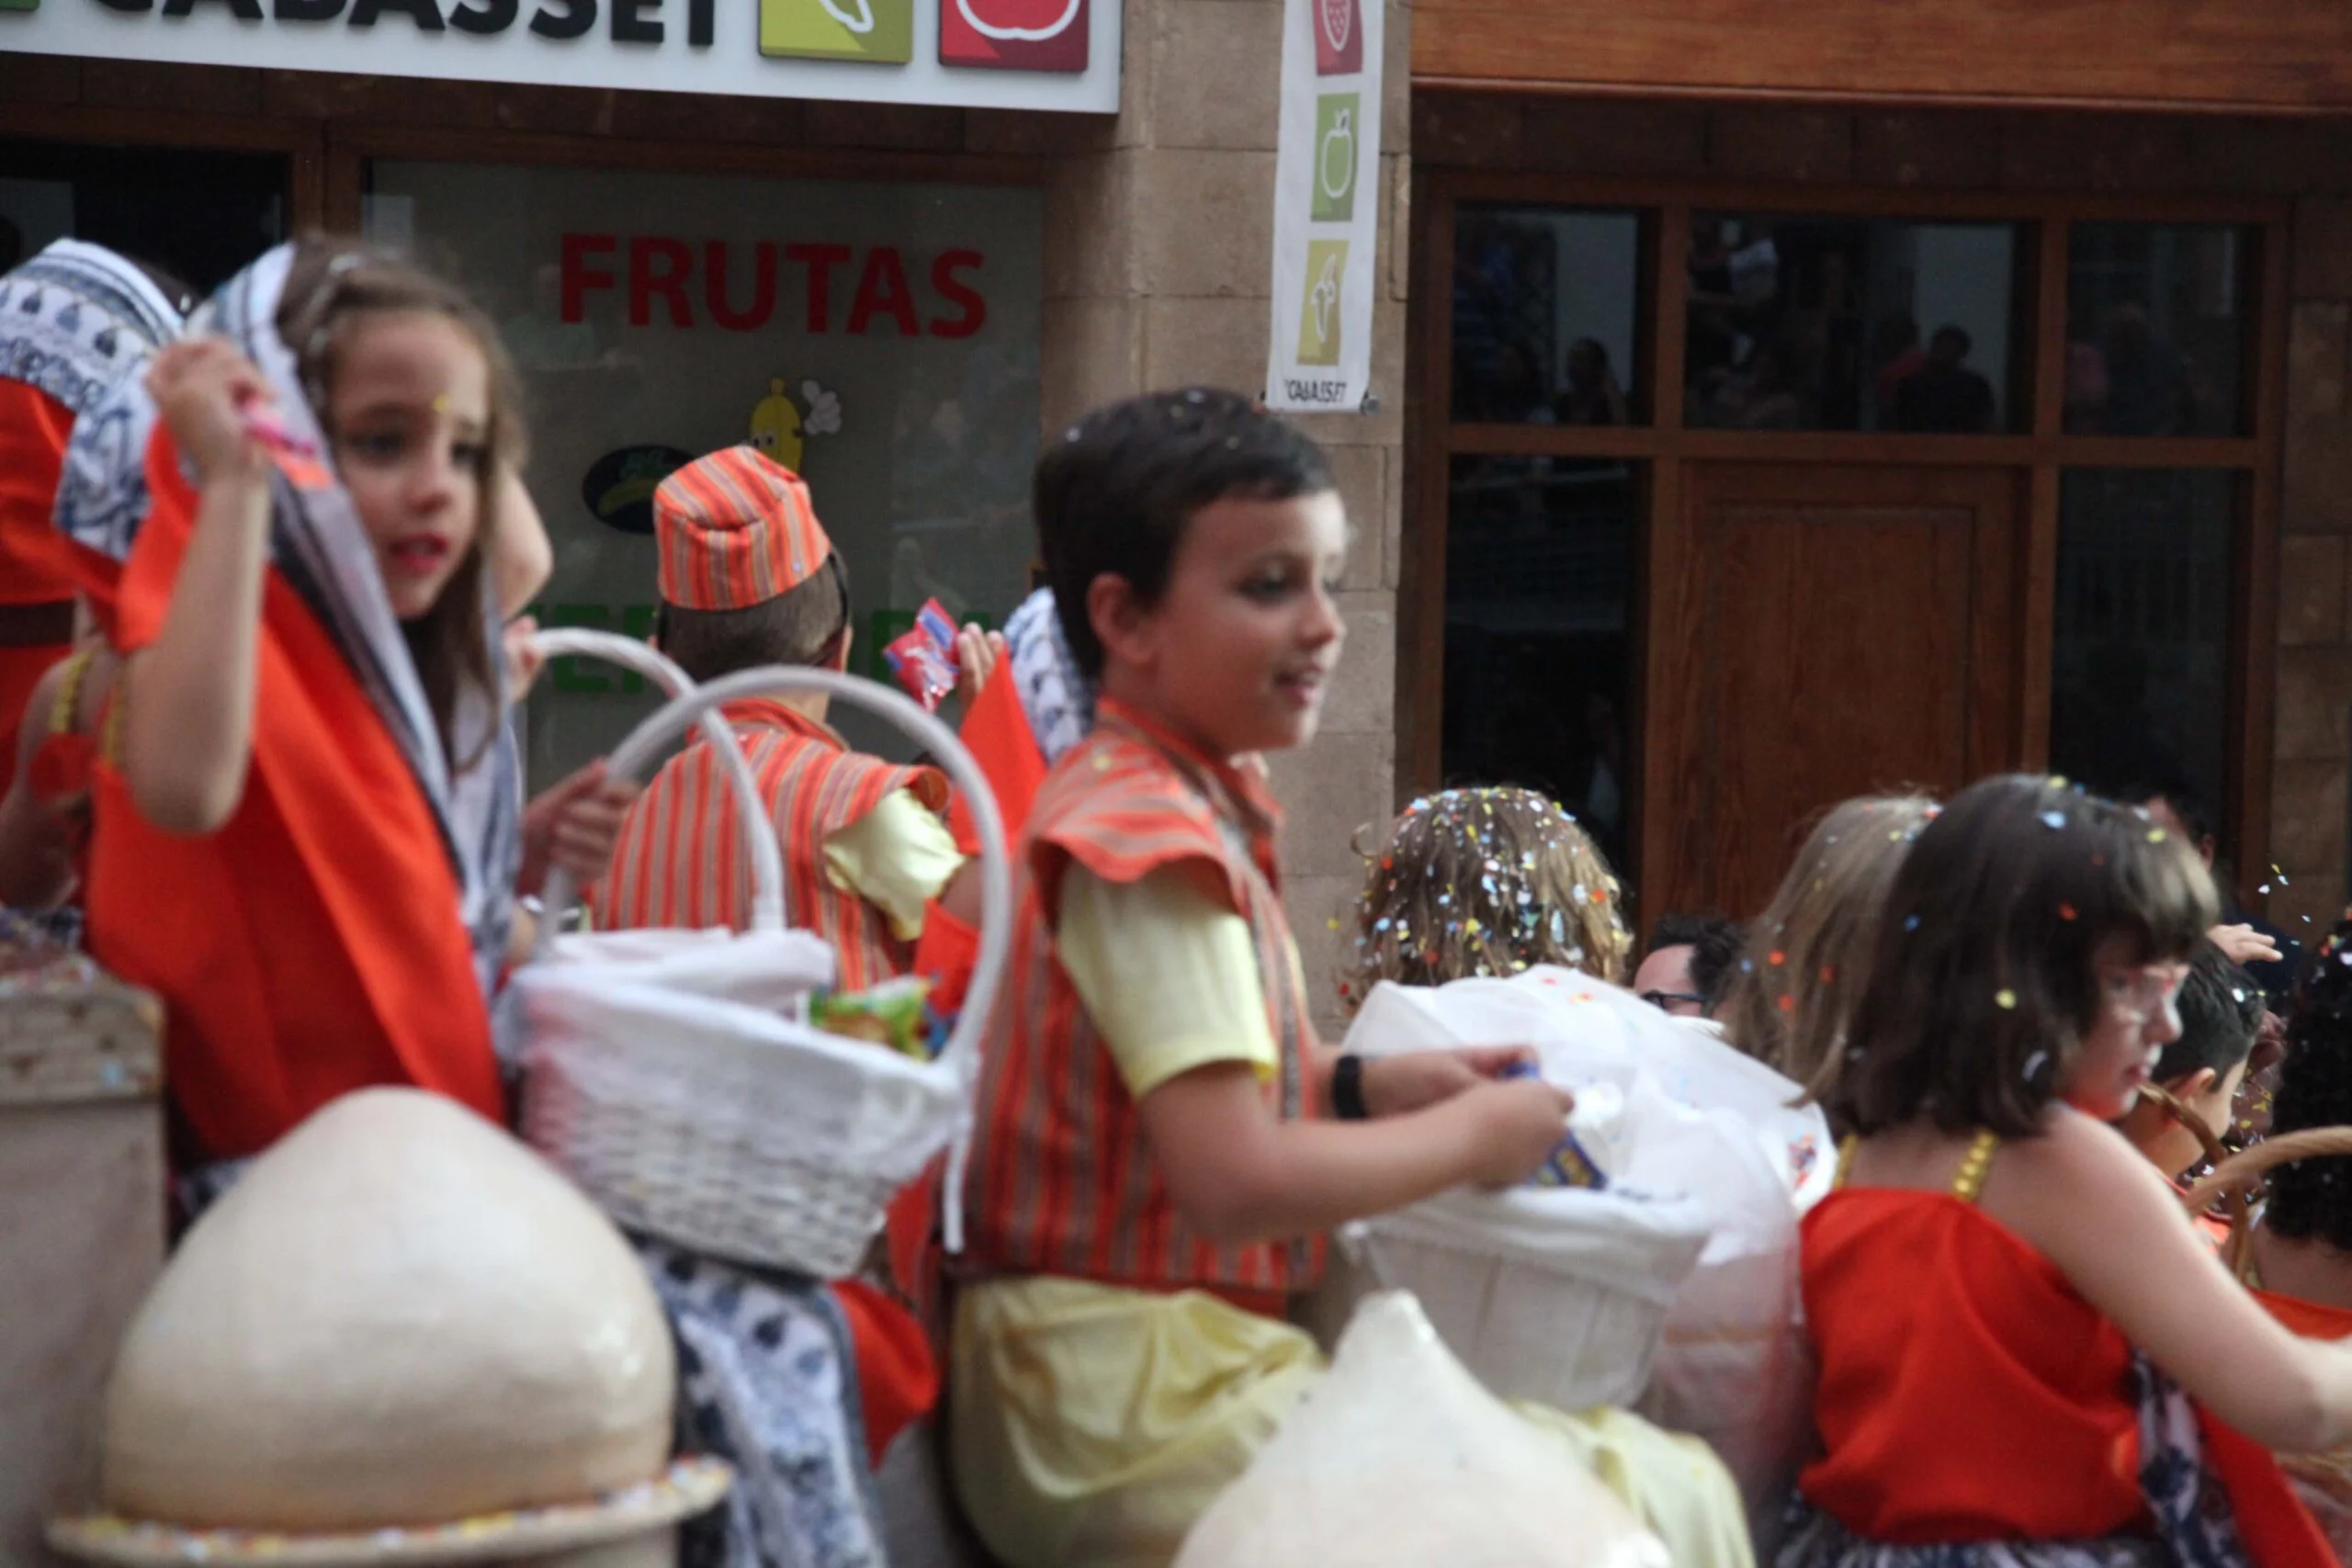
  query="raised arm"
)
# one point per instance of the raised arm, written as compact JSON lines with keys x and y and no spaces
{"x":188,"y":695}
{"x":2116,"y":1228}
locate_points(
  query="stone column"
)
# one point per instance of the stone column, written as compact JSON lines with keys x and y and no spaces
{"x":1158,"y":256}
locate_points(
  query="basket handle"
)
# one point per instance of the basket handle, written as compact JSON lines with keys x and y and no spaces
{"x":963,"y":1048}
{"x":2281,"y":1148}
{"x":759,"y":832}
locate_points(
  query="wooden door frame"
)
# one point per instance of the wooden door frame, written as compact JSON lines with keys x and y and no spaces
{"x":2037,"y":458}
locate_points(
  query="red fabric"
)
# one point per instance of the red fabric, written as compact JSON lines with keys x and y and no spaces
{"x":897,"y":1379}
{"x":313,"y":945}
{"x":35,"y":565}
{"x":2308,"y":1319}
{"x":1996,"y":1404}
{"x":996,"y":732}
{"x":20,"y":670}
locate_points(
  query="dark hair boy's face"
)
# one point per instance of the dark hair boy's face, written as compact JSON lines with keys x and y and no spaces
{"x":1240,"y":650}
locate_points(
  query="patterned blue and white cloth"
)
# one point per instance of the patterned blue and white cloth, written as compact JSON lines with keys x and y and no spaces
{"x":767,"y":1380}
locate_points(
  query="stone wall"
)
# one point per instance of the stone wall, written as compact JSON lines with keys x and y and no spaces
{"x":2308,"y":163}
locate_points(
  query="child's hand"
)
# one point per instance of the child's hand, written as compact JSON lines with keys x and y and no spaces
{"x":574,"y":826}
{"x":1394,"y":1086}
{"x":522,"y":662}
{"x":2244,"y":944}
{"x":976,"y":653}
{"x":201,"y":388}
{"x":1519,"y":1124}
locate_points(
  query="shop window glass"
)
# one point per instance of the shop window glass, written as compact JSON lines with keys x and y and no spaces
{"x":2140,"y":662}
{"x":879,"y":338}
{"x":1539,"y":665}
{"x":2156,"y":321}
{"x":1546,"y":303}
{"x":1853,"y":323}
{"x":202,"y":215}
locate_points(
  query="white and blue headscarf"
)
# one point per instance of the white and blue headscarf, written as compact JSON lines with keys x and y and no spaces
{"x":1057,"y":698}
{"x":77,"y":318}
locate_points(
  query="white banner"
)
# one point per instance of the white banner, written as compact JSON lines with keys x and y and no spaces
{"x":1028,"y":55}
{"x":1326,"y":207}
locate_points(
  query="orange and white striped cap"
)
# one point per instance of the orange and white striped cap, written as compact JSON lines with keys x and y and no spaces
{"x":735,"y":529}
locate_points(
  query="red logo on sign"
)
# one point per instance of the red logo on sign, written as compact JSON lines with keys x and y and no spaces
{"x":1014,"y":35}
{"x":1339,"y":36}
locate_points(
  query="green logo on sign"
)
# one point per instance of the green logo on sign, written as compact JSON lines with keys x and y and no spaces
{"x":879,"y":30}
{"x":1335,"y":158}
{"x":20,"y":5}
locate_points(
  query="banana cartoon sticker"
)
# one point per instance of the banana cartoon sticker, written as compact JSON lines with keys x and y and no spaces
{"x":781,"y":424}
{"x":1319,"y":323}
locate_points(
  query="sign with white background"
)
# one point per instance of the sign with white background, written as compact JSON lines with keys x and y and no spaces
{"x":1326,"y":207}
{"x":1028,"y":55}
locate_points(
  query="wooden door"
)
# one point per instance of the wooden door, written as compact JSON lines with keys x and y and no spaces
{"x":1820,"y":632}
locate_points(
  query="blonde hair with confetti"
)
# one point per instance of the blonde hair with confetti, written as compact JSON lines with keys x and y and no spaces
{"x":1485,"y":882}
{"x":1792,"y":996}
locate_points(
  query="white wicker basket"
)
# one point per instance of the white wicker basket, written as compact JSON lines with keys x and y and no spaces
{"x":685,"y":1092}
{"x":1555,"y":1295}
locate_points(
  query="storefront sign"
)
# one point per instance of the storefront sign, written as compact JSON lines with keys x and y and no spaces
{"x":878,"y":339}
{"x":1035,"y":54}
{"x":1326,"y":207}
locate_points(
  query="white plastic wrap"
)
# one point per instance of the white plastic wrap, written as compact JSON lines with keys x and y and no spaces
{"x":1400,"y":1460}
{"x":1664,"y":1108}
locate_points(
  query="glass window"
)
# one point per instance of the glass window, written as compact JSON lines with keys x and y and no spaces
{"x":1852,"y":324}
{"x":2157,"y":323}
{"x":1539,"y":596}
{"x":202,"y":215}
{"x":879,"y":338}
{"x":1546,"y":302}
{"x":2140,"y":661}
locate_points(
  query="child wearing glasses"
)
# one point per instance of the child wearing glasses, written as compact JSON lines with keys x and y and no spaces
{"x":2027,"y":1355}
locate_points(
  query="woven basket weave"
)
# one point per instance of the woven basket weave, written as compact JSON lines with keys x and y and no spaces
{"x":731,"y":1127}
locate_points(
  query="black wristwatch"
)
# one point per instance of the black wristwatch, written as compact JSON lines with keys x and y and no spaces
{"x":1347,"y":1089}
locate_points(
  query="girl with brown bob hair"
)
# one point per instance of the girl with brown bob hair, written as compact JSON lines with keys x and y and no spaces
{"x":1791,"y":999}
{"x":2027,"y":1355}
{"x":1485,"y":882}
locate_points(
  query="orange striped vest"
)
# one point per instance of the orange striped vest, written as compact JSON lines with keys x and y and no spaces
{"x":680,"y":861}
{"x":1062,"y":1179}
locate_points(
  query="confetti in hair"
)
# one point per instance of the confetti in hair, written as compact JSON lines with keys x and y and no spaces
{"x":1485,"y":882}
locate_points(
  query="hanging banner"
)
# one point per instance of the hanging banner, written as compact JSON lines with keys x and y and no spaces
{"x":1326,"y":207}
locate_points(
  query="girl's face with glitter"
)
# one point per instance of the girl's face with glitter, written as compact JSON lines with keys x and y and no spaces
{"x":2137,"y":1020}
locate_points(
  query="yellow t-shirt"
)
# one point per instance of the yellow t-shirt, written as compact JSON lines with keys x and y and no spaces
{"x":898,"y":857}
{"x":1168,"y":975}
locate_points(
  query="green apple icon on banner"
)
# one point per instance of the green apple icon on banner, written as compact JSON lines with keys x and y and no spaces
{"x":1335,"y":158}
{"x":1319,"y":316}
{"x":882,"y":32}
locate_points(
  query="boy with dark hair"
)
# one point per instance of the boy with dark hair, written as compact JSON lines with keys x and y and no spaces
{"x":1153,"y":1172}
{"x":2220,"y":1008}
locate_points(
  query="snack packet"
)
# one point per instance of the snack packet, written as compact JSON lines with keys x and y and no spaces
{"x":923,"y":659}
{"x":896,"y":1013}
{"x":1570,"y":1165}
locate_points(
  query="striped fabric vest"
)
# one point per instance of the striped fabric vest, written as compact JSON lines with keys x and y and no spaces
{"x":1063,"y":1180}
{"x":680,"y":861}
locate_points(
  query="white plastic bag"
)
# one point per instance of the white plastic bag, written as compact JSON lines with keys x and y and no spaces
{"x":1687,"y":1114}
{"x":1398,"y":1460}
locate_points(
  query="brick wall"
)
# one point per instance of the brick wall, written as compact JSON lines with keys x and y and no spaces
{"x":2309,"y":163}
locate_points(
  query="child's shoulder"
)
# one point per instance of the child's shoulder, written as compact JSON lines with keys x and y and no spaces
{"x":1110,"y":773}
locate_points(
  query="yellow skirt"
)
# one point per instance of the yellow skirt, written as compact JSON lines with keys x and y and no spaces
{"x":1090,"y":1425}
